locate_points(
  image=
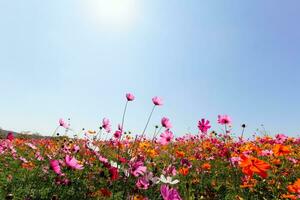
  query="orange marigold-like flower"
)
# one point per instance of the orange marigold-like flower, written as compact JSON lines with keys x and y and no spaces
{"x":251,"y":166}
{"x":281,"y":150}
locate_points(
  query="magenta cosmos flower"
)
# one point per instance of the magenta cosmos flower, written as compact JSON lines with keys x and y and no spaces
{"x":54,"y":165}
{"x":157,"y":101}
{"x":138,"y":169}
{"x":166,"y":137}
{"x":142,"y":183}
{"x":169,"y":193}
{"x":73,"y":163}
{"x":106,"y":124}
{"x":130,"y":97}
{"x":118,"y":134}
{"x":10,"y":136}
{"x":165,"y":122}
{"x":224,"y":119}
{"x":204,"y":125}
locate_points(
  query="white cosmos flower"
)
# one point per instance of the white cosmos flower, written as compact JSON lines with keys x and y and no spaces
{"x":92,"y":147}
{"x":167,"y":180}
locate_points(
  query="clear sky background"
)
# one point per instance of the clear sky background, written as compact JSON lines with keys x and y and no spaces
{"x":77,"y":59}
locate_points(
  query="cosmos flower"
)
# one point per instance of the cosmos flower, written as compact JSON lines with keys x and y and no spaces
{"x":142,"y":183}
{"x":114,"y":173}
{"x":281,"y":150}
{"x":224,"y":119}
{"x":165,"y":122}
{"x":62,"y":123}
{"x":106,"y":125}
{"x":251,"y":166}
{"x":167,"y":180}
{"x":157,"y":101}
{"x":166,"y":137}
{"x":138,"y":168}
{"x":204,"y":125}
{"x":73,"y":163}
{"x":10,"y":136}
{"x":118,"y":134}
{"x":169,"y":193}
{"x":130,"y":97}
{"x":54,"y":165}
{"x":295,"y":187}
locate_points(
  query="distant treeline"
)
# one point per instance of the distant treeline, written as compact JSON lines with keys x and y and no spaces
{"x":3,"y":134}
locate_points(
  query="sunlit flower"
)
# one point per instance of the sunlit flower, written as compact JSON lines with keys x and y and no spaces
{"x":224,"y":119}
{"x":295,"y":187}
{"x":169,"y":193}
{"x":251,"y":165}
{"x":281,"y":150}
{"x":54,"y":165}
{"x":10,"y":136}
{"x":166,"y":137}
{"x":63,"y":123}
{"x":157,"y":101}
{"x":138,"y":169}
{"x":130,"y":97}
{"x":165,"y":122}
{"x":106,"y":124}
{"x":73,"y":163}
{"x":167,"y":180}
{"x":204,"y":125}
{"x":142,"y":183}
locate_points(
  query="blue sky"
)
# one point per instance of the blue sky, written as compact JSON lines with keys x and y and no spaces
{"x":204,"y":58}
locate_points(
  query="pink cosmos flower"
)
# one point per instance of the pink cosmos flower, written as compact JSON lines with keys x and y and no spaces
{"x":266,"y":153}
{"x":62,"y":123}
{"x":166,"y":137}
{"x":130,"y":97}
{"x":165,"y":122}
{"x":204,"y":125}
{"x":142,"y":184}
{"x":169,"y":193}
{"x":73,"y":163}
{"x":138,"y":169}
{"x":10,"y":136}
{"x":54,"y":165}
{"x":106,"y":124}
{"x":235,"y":160}
{"x":224,"y":119}
{"x":281,"y":138}
{"x":157,"y":101}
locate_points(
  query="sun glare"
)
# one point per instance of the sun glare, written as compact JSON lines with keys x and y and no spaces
{"x":112,"y":12}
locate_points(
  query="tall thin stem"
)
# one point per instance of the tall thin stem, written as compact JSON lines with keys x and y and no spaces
{"x":143,"y":133}
{"x":123,"y":118}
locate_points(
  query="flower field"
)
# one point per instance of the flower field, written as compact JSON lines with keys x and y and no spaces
{"x":108,"y":164}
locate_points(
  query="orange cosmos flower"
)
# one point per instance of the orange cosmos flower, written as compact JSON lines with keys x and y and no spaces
{"x":251,"y":165}
{"x":295,"y":188}
{"x":184,"y":171}
{"x":28,"y":165}
{"x":206,"y":166}
{"x":289,"y":196}
{"x":281,"y":150}
{"x":180,"y":154}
